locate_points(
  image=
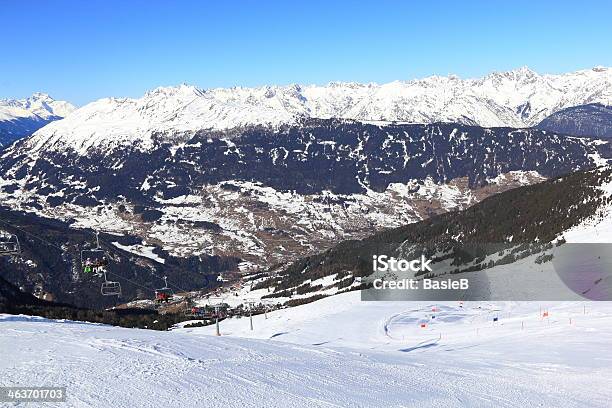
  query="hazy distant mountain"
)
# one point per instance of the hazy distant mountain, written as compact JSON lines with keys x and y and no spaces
{"x":585,"y":120}
{"x":22,"y":117}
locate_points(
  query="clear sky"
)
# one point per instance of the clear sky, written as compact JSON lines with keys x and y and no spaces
{"x":85,"y":50}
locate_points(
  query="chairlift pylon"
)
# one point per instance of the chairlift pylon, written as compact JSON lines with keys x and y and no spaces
{"x":9,"y":245}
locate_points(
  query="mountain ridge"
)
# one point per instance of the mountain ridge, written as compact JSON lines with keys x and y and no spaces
{"x":263,"y":194}
{"x":593,"y":120}
{"x":508,"y":220}
{"x":519,"y":98}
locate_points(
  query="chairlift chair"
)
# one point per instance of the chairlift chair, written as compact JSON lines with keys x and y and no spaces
{"x":9,"y":245}
{"x":93,"y":259}
{"x":209,"y":313}
{"x":110,"y":288}
{"x":250,"y":303}
{"x":164,"y":294}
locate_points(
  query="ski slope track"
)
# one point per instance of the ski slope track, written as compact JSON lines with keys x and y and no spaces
{"x":337,"y":352}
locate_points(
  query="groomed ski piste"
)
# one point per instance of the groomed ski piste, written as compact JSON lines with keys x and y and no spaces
{"x":336,"y":352}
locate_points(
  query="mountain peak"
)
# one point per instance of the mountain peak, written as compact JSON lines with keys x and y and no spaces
{"x":518,"y":74}
{"x":22,"y":117}
{"x":39,"y":106}
{"x":525,"y":70}
{"x":41,"y":95}
{"x":181,"y":89}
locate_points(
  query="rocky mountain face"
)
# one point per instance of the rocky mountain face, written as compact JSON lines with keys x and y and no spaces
{"x":22,"y":117}
{"x":593,"y":120}
{"x":265,"y":195}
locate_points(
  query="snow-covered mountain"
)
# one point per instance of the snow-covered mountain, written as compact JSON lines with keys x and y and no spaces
{"x":181,"y":168}
{"x":22,"y":117}
{"x":594,"y":120}
{"x":267,"y":196}
{"x":519,"y":98}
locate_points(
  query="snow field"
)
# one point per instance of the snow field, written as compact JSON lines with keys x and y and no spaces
{"x":337,"y":352}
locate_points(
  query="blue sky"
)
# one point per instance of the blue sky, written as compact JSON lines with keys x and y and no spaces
{"x":85,"y":50}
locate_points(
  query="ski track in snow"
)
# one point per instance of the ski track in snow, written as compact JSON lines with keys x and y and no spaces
{"x":337,"y":352}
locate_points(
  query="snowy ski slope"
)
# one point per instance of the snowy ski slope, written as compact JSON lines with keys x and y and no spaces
{"x":335,"y":352}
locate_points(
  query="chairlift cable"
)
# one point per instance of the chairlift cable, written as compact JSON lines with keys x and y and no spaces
{"x":63,"y":250}
{"x":32,"y":235}
{"x":166,"y":283}
{"x":131,"y":281}
{"x":98,"y":245}
{"x":151,"y":272}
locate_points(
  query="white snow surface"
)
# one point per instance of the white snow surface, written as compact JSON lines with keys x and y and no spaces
{"x":141,"y":250}
{"x":517,"y":98}
{"x":37,"y":106}
{"x":337,"y":352}
{"x":597,"y":228}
